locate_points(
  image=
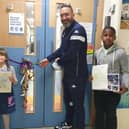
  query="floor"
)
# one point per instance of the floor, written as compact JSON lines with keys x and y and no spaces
{"x":52,"y":128}
{"x":41,"y":128}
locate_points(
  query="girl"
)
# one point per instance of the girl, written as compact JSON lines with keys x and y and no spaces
{"x":106,"y":101}
{"x":7,"y":103}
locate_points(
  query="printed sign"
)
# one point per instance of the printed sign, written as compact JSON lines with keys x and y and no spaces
{"x":16,"y":23}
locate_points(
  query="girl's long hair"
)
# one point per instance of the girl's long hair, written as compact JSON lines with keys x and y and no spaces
{"x":4,"y":53}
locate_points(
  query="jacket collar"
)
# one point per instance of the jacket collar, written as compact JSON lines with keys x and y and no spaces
{"x":111,"y":49}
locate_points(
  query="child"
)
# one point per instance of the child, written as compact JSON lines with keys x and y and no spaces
{"x":7,"y":102}
{"x":106,"y":101}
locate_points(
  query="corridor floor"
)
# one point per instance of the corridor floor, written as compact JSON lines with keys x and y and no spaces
{"x":52,"y":128}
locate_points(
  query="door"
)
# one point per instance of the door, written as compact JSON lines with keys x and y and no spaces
{"x":43,"y":34}
{"x":29,"y":44}
{"x":88,"y":17}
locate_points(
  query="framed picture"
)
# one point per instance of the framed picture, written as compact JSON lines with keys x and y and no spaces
{"x":125,"y":16}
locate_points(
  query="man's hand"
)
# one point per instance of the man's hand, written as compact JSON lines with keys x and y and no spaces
{"x":43,"y":63}
{"x":90,"y":78}
{"x":123,"y":90}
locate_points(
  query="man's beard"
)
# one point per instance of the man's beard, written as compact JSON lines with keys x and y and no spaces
{"x":67,"y":25}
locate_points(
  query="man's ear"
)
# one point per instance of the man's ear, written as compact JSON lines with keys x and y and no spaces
{"x":73,"y":14}
{"x":101,"y":36}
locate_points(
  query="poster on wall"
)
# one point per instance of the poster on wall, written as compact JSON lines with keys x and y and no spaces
{"x":90,"y":47}
{"x":88,"y":27}
{"x":125,"y":16}
{"x":16,"y":23}
{"x":90,"y":52}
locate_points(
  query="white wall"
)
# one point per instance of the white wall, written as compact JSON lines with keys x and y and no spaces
{"x":123,"y":118}
{"x":115,"y":17}
{"x":123,"y":39}
{"x":122,"y":34}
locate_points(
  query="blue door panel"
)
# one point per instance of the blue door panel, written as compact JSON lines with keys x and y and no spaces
{"x":19,"y":118}
{"x":51,"y":118}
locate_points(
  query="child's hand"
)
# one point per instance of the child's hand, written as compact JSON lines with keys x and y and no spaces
{"x":12,"y":79}
{"x":123,"y":89}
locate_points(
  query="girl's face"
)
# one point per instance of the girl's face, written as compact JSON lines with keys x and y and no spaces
{"x":2,"y":59}
{"x":108,"y":36}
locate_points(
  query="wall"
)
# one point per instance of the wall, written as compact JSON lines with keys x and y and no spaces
{"x":99,"y":22}
{"x":123,"y":117}
{"x":115,"y":16}
{"x":13,"y":40}
{"x":123,"y":38}
{"x":85,"y":6}
{"x":102,"y":11}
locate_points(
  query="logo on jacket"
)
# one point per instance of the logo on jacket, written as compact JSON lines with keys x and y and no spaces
{"x":76,"y":31}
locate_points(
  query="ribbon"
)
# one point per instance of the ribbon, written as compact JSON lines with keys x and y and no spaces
{"x":24,"y":63}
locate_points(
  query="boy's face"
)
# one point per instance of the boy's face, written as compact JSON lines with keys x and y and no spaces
{"x":2,"y":58}
{"x":108,"y":37}
{"x":67,"y":16}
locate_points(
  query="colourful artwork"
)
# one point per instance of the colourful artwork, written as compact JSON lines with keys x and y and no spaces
{"x":125,"y":16}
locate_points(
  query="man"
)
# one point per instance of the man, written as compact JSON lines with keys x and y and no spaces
{"x":71,"y":56}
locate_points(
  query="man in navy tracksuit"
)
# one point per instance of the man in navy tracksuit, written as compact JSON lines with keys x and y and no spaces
{"x":71,"y":56}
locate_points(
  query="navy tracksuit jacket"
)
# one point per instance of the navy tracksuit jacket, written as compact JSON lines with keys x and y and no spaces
{"x":72,"y":54}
